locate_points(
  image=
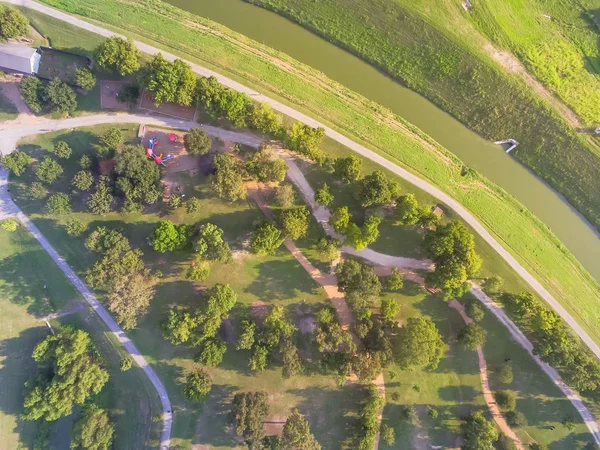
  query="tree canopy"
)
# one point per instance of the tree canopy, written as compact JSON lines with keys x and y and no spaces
{"x":12,"y":23}
{"x":16,"y":162}
{"x":471,"y":336}
{"x":137,"y":177}
{"x":168,"y":237}
{"x":305,"y":139}
{"x":62,"y":150}
{"x":266,"y":238}
{"x":75,"y":375}
{"x":58,"y":204}
{"x":198,"y":384}
{"x":265,"y":166}
{"x":84,"y":78}
{"x":340,"y":219}
{"x":297,"y":435}
{"x":248,"y":412}
{"x":295,"y":222}
{"x":83,"y":180}
{"x":360,"y":284}
{"x":93,"y":430}
{"x":376,"y":189}
{"x":228,"y":182}
{"x":48,"y":170}
{"x":59,"y":96}
{"x":348,"y":169}
{"x":452,"y":249}
{"x":407,"y":209}
{"x":99,"y":202}
{"x":197,"y":142}
{"x":419,"y":344}
{"x":169,"y":81}
{"x":285,"y":195}
{"x":359,"y":237}
{"x":118,"y":54}
{"x":211,"y":244}
{"x":324,"y":196}
{"x":479,"y":433}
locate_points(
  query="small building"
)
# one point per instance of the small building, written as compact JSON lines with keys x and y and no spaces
{"x":15,"y":58}
{"x":437,"y":211}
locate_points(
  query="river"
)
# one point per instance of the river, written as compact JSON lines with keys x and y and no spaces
{"x":488,"y":159}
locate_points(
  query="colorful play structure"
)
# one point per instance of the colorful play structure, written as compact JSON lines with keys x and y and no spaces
{"x":158,"y":159}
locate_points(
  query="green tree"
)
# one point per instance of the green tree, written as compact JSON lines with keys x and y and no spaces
{"x":479,"y":433}
{"x":505,"y":374}
{"x":62,"y":150}
{"x":411,"y":416}
{"x":16,"y":162}
{"x":376,"y":189}
{"x":263,"y":119}
{"x":175,"y":201}
{"x":213,"y":350}
{"x":100,"y":201}
{"x":83,"y":180}
{"x":452,"y":249}
{"x":168,"y":237}
{"x":93,"y":430}
{"x":58,"y":204}
{"x":192,"y":205}
{"x":265,"y":166}
{"x":198,"y":271}
{"x":169,"y":81}
{"x":395,"y":282}
{"x":197,"y":142}
{"x":474,"y":311}
{"x":9,"y":225}
{"x":504,"y":443}
{"x":297,"y":435}
{"x":37,"y":190}
{"x":85,"y":162}
{"x":125,"y":364}
{"x":32,"y":91}
{"x":516,"y":419}
{"x":493,"y":284}
{"x":419,"y":344}
{"x":328,"y":248}
{"x":324,"y":196}
{"x":75,"y":227}
{"x":197,"y":385}
{"x":248,"y":412}
{"x":285,"y":195}
{"x":129,"y":295}
{"x":247,"y":335}
{"x":179,"y":326}
{"x":12,"y":23}
{"x":111,"y":138}
{"x":389,"y":308}
{"x":305,"y":139}
{"x":348,"y":169}
{"x":84,"y":78}
{"x":48,"y":170}
{"x":292,"y":365}
{"x":407,"y":209}
{"x":59,"y":96}
{"x":359,"y":283}
{"x":340,"y":219}
{"x":471,"y":336}
{"x":295,"y":222}
{"x":388,"y":435}
{"x":266,"y":239}
{"x":506,"y":400}
{"x":228,"y":182}
{"x":211,"y":244}
{"x":368,"y":418}
{"x":360,"y":238}
{"x":427,"y":217}
{"x":258,"y":358}
{"x":75,"y":375}
{"x":138,"y":178}
{"x":118,"y":54}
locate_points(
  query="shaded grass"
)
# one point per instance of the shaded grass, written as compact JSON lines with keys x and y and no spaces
{"x":8,"y":111}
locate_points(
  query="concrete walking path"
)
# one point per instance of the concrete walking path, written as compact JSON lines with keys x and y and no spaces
{"x":410,"y":177}
{"x":9,"y":209}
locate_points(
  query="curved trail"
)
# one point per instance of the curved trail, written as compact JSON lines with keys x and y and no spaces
{"x":410,"y":177}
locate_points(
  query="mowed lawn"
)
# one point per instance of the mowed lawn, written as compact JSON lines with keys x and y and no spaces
{"x":270,"y":280}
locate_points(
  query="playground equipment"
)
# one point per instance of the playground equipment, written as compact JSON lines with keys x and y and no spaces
{"x":158,"y":159}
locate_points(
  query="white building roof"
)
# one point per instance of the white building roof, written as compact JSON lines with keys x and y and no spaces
{"x":19,"y":58}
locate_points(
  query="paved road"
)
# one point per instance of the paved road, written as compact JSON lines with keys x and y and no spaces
{"x":410,"y":177}
{"x":9,"y":209}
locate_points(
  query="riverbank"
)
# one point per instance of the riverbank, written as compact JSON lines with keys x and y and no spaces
{"x":490,"y":101}
{"x":242,"y":59}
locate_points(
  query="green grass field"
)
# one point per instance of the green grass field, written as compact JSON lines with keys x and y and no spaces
{"x":25,"y":269}
{"x":367,"y":123}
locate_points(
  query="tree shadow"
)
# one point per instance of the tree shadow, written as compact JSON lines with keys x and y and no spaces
{"x":592,"y":18}
{"x":466,"y":394}
{"x":281,"y":279}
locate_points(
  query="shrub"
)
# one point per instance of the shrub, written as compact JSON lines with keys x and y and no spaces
{"x":9,"y":225}
{"x":197,"y":142}
{"x":388,"y":435}
{"x":505,"y":374}
{"x":37,"y":190}
{"x":83,"y":180}
{"x":12,"y":23}
{"x":506,"y":400}
{"x":48,"y":170}
{"x":493,"y":284}
{"x":324,"y":196}
{"x":112,"y":138}
{"x":516,"y":419}
{"x":85,"y":162}
{"x":433,"y":413}
{"x":126,"y":364}
{"x":198,"y":271}
{"x":192,"y":205}
{"x":474,"y":310}
{"x":389,"y":308}
{"x":84,"y":78}
{"x":75,"y":227}
{"x":58,"y":204}
{"x":285,"y":195}
{"x":16,"y":162}
{"x":395,"y":282}
{"x":410,"y":415}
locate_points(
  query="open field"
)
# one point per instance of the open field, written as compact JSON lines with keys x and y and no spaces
{"x":368,"y":124}
{"x":32,"y":286}
{"x":393,"y":36}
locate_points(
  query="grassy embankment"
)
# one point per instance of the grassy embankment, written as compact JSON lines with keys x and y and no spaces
{"x":453,"y":388}
{"x":309,"y":91}
{"x":25,"y":269}
{"x":426,"y":56}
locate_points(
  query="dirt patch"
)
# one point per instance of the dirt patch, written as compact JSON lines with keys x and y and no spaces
{"x":306,"y":324}
{"x":109,"y":95}
{"x":9,"y":85}
{"x":168,"y":109}
{"x":273,"y":426}
{"x":259,"y":309}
